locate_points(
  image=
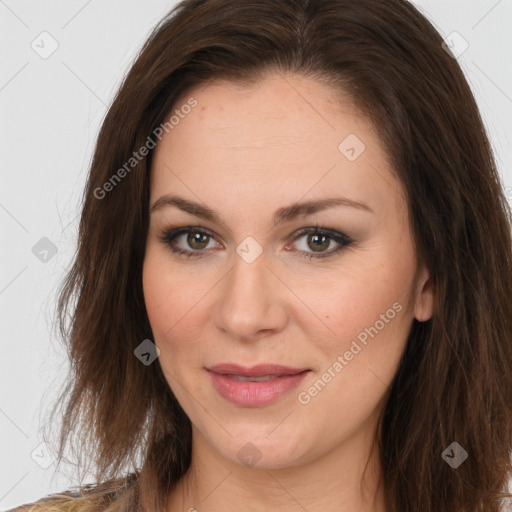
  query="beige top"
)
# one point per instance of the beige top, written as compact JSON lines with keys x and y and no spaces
{"x":113,"y":496}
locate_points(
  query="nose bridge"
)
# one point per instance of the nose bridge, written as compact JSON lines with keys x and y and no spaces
{"x":249,"y":301}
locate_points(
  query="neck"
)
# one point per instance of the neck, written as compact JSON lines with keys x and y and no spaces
{"x":347,"y":479}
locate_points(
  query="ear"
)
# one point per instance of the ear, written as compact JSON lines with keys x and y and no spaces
{"x":424,"y":299}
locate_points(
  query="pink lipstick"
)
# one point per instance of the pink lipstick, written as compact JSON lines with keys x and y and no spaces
{"x":255,"y":386}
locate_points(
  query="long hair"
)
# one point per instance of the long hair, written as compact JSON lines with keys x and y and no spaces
{"x":454,"y":382}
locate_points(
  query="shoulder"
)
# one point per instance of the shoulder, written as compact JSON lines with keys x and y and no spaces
{"x":66,"y":500}
{"x":113,"y":496}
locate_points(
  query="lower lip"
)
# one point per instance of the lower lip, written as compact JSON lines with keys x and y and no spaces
{"x":255,"y":394}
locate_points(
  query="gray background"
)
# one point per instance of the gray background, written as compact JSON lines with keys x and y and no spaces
{"x":51,"y":107}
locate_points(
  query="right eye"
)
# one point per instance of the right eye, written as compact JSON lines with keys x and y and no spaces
{"x":197,"y":239}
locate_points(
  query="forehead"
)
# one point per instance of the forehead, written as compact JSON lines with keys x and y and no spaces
{"x":266,"y":112}
{"x":282,"y":137}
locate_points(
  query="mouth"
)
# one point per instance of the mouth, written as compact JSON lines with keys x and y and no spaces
{"x":255,"y":386}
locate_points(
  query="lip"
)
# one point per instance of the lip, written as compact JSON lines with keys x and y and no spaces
{"x":255,"y":371}
{"x":255,"y":394}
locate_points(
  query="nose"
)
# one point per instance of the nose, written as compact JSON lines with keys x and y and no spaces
{"x":252,"y":301}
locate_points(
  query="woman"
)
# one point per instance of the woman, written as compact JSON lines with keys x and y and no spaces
{"x":294,"y":272}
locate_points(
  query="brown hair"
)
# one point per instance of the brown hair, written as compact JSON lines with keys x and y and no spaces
{"x":454,"y":383}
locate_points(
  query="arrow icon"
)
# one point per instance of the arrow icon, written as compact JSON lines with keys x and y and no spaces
{"x":351,"y":147}
{"x":42,"y":455}
{"x":249,"y":455}
{"x":147,"y":352}
{"x":249,"y":252}
{"x":455,"y":45}
{"x":44,"y":45}
{"x":44,"y":250}
{"x":454,"y":455}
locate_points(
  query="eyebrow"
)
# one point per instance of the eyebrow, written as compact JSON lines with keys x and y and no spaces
{"x":281,"y":215}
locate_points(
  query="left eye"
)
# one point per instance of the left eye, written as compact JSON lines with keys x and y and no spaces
{"x":318,"y":239}
{"x":318,"y":242}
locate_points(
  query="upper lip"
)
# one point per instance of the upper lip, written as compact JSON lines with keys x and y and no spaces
{"x":259,"y":370}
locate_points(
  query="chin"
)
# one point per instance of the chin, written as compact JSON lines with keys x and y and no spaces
{"x":252,"y":449}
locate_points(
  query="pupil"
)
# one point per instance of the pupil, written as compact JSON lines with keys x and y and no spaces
{"x":195,"y":238}
{"x":316,"y":239}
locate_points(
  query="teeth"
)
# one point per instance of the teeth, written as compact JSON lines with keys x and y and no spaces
{"x":252,"y":379}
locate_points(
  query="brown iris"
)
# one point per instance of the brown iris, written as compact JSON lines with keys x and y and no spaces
{"x":317,"y":247}
{"x":199,"y":238}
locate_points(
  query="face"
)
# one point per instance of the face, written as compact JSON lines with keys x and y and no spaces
{"x":323,"y":296}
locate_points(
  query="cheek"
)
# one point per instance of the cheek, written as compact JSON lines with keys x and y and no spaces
{"x":174,"y":303}
{"x":366,"y":299}
{"x":369,"y":317}
{"x":355,"y":304}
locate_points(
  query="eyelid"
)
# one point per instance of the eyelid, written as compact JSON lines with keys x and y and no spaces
{"x":168,"y":236}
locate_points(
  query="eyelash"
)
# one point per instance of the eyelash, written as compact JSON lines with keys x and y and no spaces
{"x":168,"y":236}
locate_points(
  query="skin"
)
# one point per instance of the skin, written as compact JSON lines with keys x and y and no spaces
{"x":246,"y":152}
